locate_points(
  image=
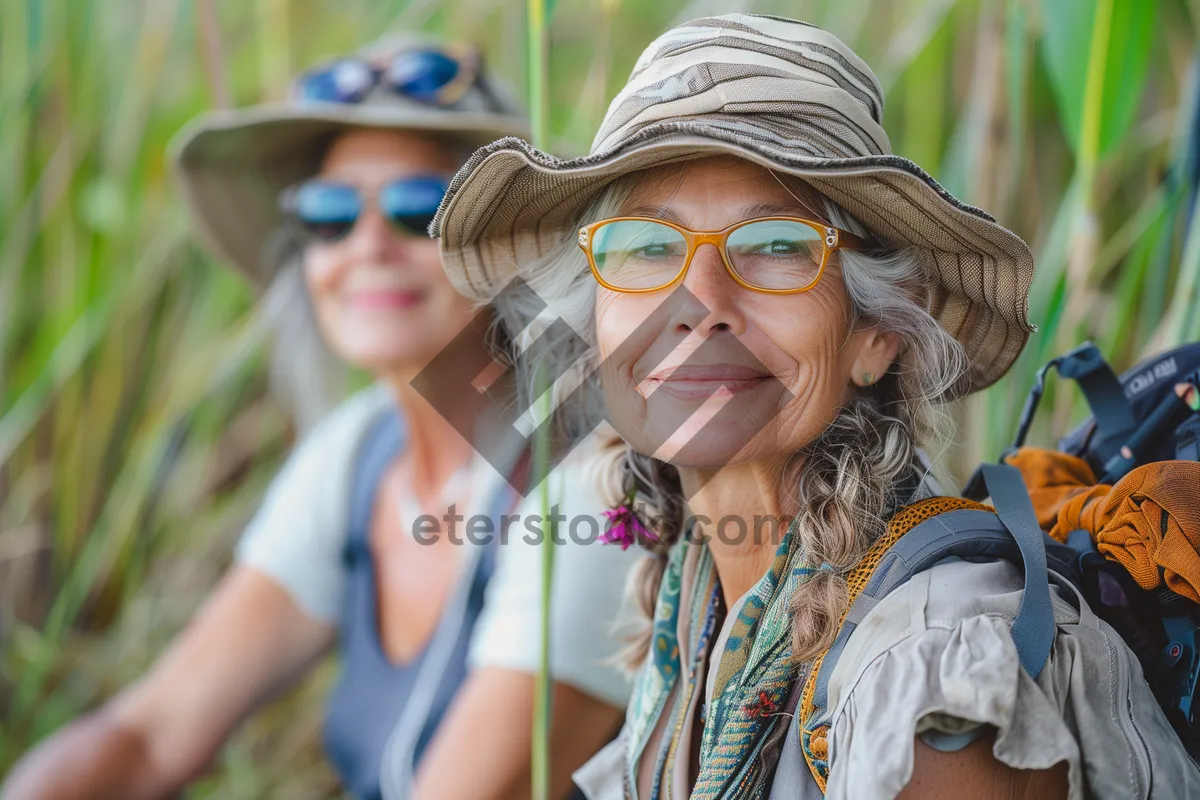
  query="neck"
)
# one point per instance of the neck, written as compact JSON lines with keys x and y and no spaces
{"x":740,"y":512}
{"x":442,"y":422}
{"x":434,"y":447}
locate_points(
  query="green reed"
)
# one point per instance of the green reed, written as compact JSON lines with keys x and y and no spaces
{"x":538,"y":77}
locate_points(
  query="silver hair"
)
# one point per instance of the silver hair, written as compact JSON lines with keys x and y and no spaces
{"x":848,"y":481}
{"x":306,"y":377}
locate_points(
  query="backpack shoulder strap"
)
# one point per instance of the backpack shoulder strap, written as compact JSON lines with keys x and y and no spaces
{"x":876,"y":570}
{"x":382,"y":441}
{"x":920,"y":536}
{"x":1033,"y":630}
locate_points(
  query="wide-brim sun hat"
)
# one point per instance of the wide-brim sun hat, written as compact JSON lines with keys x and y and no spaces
{"x":231,"y":165}
{"x":780,"y":93}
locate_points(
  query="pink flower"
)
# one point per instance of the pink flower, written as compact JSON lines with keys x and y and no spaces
{"x":625,"y":528}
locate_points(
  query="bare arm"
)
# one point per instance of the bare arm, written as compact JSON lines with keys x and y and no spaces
{"x":974,"y":772}
{"x":492,"y":719}
{"x":248,"y":642}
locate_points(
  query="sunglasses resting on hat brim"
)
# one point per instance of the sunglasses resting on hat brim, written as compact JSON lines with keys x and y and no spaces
{"x":436,"y":76}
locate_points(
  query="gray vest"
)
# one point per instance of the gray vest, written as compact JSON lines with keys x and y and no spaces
{"x":381,"y":716}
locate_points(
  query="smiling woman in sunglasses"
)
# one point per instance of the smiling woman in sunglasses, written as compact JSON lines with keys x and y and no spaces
{"x":324,"y":202}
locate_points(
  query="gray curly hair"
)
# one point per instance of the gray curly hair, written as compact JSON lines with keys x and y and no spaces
{"x":848,"y":482}
{"x":306,"y":377}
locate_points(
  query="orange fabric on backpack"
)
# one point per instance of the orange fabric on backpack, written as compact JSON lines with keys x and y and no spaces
{"x":1148,"y":520}
{"x":1052,"y":478}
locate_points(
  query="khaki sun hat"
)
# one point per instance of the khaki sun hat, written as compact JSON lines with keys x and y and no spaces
{"x":232,"y":165}
{"x":777,"y":92}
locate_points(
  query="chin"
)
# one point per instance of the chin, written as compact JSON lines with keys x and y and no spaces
{"x":381,"y":358}
{"x":707,"y":463}
{"x":708,"y":446}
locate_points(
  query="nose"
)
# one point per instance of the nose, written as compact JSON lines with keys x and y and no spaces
{"x":715,"y":296}
{"x":371,"y":238}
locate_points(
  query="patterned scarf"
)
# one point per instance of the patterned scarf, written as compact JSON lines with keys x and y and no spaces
{"x":750,"y":687}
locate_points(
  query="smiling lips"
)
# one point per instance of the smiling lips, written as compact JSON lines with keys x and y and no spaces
{"x":386,"y":298}
{"x":701,"y":381}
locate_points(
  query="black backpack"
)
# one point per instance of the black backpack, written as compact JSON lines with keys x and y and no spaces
{"x":1137,"y":418}
{"x":1140,"y":410}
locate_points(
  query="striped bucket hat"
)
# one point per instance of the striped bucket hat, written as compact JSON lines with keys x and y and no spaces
{"x":780,"y":93}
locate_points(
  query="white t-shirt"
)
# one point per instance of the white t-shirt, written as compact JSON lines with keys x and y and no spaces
{"x":298,"y":534}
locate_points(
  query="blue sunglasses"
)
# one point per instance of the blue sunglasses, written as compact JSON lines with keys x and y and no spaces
{"x":433,"y":76}
{"x":326,"y":211}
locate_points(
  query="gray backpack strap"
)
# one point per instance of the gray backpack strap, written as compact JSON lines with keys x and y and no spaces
{"x":1033,"y":629}
{"x":1010,"y":533}
{"x":792,"y":779}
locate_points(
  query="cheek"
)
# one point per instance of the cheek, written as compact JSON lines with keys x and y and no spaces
{"x":322,"y":273}
{"x":818,"y":333}
{"x":617,"y":315}
{"x":810,"y":357}
{"x":424,"y":254}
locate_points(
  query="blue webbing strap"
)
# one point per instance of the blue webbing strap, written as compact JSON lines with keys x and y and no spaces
{"x":966,"y":532}
{"x":1101,"y":388}
{"x":1187,"y":440}
{"x":1104,"y":393}
{"x":1033,"y":629}
{"x":383,"y":441}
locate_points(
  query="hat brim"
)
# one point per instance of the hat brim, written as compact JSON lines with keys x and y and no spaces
{"x":512,"y":204}
{"x":232,"y":165}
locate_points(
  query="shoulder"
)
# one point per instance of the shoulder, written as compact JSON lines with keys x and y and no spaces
{"x":320,"y":465}
{"x":297,"y":535}
{"x":582,"y":486}
{"x":591,"y":614}
{"x":936,"y":655}
{"x":588,"y":479}
{"x":322,"y":461}
{"x":340,"y":432}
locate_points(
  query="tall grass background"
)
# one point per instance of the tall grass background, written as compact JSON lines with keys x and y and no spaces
{"x":137,"y":431}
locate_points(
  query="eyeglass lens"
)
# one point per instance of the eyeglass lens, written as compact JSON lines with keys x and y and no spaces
{"x":768,"y":254}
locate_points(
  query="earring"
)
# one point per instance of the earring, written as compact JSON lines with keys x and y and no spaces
{"x":868,"y":378}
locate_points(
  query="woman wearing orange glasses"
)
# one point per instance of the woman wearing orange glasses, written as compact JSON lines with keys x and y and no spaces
{"x":381,"y":534}
{"x":779,"y":308}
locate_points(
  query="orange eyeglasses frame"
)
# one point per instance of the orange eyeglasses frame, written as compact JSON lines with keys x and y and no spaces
{"x":831,"y":238}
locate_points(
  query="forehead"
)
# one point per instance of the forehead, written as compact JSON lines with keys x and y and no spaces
{"x":364,"y":154}
{"x":719,"y":185}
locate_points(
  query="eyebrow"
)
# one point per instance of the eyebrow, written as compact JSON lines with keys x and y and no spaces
{"x":778,"y":210}
{"x":655,"y":212}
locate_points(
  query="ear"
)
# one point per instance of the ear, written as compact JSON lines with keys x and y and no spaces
{"x":877,"y":351}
